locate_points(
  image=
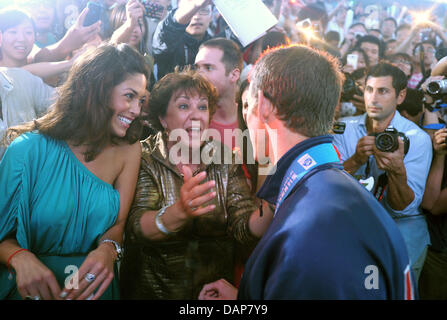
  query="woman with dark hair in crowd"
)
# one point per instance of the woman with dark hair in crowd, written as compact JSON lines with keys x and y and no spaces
{"x":128,"y":25}
{"x":187,"y":214}
{"x":17,"y":36}
{"x":68,"y":179}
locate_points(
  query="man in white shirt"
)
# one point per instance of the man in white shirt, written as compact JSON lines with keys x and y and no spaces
{"x":23,"y":97}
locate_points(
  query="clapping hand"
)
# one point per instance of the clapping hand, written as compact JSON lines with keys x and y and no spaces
{"x":194,"y":194}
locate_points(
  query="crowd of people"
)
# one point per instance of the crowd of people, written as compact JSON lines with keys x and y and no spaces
{"x":147,"y":150}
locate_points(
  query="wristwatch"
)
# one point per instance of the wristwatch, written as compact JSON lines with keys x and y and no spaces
{"x":119,"y":250}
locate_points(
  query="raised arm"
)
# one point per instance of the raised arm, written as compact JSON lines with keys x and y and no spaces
{"x":187,"y":9}
{"x":435,"y":198}
{"x":134,"y":15}
{"x":75,"y":38}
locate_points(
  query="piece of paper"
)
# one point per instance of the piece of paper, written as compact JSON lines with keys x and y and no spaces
{"x":248,"y":19}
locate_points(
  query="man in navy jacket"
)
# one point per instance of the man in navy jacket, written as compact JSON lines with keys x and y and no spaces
{"x":329,"y":238}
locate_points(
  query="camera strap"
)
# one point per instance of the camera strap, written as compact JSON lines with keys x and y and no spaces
{"x":310,"y":159}
{"x":380,"y":188}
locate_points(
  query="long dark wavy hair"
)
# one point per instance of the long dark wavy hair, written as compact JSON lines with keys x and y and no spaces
{"x":82,"y":112}
{"x":117,"y":19}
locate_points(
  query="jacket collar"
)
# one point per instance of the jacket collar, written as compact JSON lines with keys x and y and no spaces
{"x":395,"y":121}
{"x":270,"y":189}
{"x":6,"y":83}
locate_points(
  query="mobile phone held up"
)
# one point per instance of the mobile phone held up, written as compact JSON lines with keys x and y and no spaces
{"x":152,"y":10}
{"x":352,"y":59}
{"x":93,"y":14}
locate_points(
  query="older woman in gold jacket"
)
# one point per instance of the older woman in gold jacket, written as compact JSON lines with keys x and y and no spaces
{"x":186,"y":217}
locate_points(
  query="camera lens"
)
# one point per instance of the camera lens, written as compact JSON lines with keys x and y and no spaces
{"x":433,"y":87}
{"x":385,"y":142}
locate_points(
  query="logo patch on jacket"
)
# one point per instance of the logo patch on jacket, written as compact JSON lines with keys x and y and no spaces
{"x":306,"y":161}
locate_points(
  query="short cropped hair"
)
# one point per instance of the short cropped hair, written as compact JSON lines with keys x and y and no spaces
{"x":413,"y":102}
{"x":314,"y":11}
{"x":232,"y":55}
{"x":358,"y":24}
{"x":384,"y":69}
{"x":303,"y":84}
{"x":390,"y":19}
{"x":372,"y":39}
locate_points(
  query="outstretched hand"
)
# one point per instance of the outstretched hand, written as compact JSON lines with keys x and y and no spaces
{"x":78,"y":35}
{"x":194,"y":194}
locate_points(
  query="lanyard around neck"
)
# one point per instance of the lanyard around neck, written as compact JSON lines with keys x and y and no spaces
{"x":304,"y":163}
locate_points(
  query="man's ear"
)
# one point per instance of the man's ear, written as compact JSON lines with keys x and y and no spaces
{"x":235,"y":74}
{"x":401,"y":96}
{"x":265,"y":108}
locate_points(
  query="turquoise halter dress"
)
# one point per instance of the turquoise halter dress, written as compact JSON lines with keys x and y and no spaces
{"x":54,"y":206}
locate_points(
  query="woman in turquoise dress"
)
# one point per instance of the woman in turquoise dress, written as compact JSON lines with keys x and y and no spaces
{"x":67,"y":181}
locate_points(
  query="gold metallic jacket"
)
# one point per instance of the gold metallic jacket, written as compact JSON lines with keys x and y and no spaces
{"x":203,"y":250}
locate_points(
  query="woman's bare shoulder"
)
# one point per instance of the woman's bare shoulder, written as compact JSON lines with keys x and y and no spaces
{"x":127,"y":152}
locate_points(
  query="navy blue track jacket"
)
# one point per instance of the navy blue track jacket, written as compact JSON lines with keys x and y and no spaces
{"x":330,"y":239}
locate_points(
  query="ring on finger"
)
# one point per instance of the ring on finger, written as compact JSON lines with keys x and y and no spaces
{"x":89,"y":277}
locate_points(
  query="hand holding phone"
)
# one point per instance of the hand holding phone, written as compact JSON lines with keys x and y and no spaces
{"x":153,"y":10}
{"x":352,"y":59}
{"x":93,"y":14}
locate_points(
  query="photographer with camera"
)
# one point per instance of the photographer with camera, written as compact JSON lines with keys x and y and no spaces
{"x":375,"y":154}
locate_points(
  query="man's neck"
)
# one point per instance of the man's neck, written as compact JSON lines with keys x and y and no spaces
{"x":285,"y":140}
{"x":226,"y":112}
{"x":375,"y":126}
{"x":198,"y":37}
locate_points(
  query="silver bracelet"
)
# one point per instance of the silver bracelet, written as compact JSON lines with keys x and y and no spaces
{"x":119,"y":250}
{"x":160,"y":224}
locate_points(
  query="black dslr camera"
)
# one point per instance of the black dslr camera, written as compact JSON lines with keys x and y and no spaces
{"x":437,"y":87}
{"x":387,"y":141}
